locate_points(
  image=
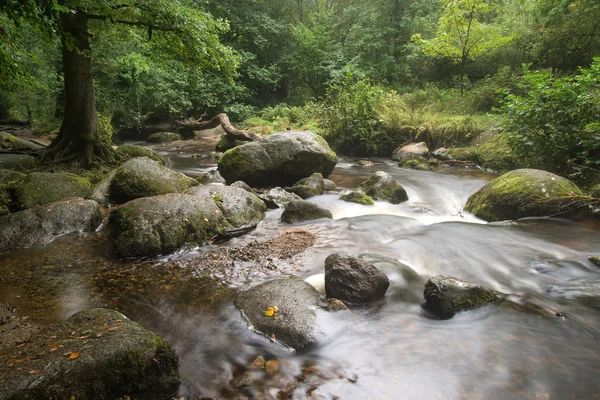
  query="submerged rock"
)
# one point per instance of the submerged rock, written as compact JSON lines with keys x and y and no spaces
{"x":525,"y":193}
{"x":17,"y":162}
{"x":42,"y":224}
{"x":412,"y":149}
{"x":382,"y":186}
{"x":352,"y":280}
{"x":301,"y":210}
{"x":293,"y":322}
{"x":309,"y":187}
{"x":594,"y":260}
{"x":445,"y":296}
{"x":279,"y":159}
{"x":44,"y":187}
{"x":129,"y":151}
{"x":278,"y":198}
{"x":107,"y":357}
{"x":163,"y":137}
{"x":143,"y":177}
{"x":357,"y":197}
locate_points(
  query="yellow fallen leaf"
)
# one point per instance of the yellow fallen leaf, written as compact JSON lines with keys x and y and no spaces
{"x":74,"y":356}
{"x":270,"y":311}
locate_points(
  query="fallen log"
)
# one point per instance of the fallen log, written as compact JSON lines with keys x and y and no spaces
{"x":187,"y":127}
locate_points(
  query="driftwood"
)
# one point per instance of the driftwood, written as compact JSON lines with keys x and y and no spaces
{"x":187,"y":127}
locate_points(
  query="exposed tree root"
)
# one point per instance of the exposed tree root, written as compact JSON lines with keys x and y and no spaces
{"x":85,"y":152}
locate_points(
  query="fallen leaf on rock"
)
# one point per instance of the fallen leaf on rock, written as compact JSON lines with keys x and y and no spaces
{"x":36,"y":371}
{"x":270,"y":311}
{"x":114,"y":328}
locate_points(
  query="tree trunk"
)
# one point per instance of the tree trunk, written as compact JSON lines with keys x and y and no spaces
{"x":78,"y":140}
{"x":187,"y":128}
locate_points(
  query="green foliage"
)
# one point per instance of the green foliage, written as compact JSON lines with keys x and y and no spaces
{"x":105,"y":129}
{"x":555,"y":125}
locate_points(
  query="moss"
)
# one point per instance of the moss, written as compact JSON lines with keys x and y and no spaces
{"x":594,"y":191}
{"x":43,"y":188}
{"x":132,"y":150}
{"x":415,"y":162}
{"x":163,"y":137}
{"x":330,"y":153}
{"x":8,"y":181}
{"x":357,"y":197}
{"x":462,"y":154}
{"x":496,"y":154}
{"x":227,"y":142}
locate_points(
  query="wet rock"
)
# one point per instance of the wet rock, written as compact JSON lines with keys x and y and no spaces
{"x":107,"y":357}
{"x":10,"y":142}
{"x":44,"y":187}
{"x":413,"y":149}
{"x":353,"y":280}
{"x":295,"y":321}
{"x":301,"y":210}
{"x":594,"y":260}
{"x":445,"y":296}
{"x":309,"y":187}
{"x":211,"y":176}
{"x":272,"y":367}
{"x":17,"y":162}
{"x":163,"y":137}
{"x":101,"y":193}
{"x":415,"y":162}
{"x":280,"y":159}
{"x":357,"y":197}
{"x":129,"y":151}
{"x":143,"y":177}
{"x":525,"y":193}
{"x":329,"y":185}
{"x":258,"y":363}
{"x":242,"y":185}
{"x":42,"y":224}
{"x":278,"y":198}
{"x":227,"y":142}
{"x":364,"y":163}
{"x":382,"y":186}
{"x":242,"y":380}
{"x":162,"y":224}
{"x":336,"y":305}
{"x":406,"y":284}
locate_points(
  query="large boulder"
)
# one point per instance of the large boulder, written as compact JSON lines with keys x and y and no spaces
{"x":309,"y":187}
{"x":18,"y":162}
{"x":412,"y":149}
{"x":45,"y":187}
{"x":42,"y":224}
{"x":162,"y":224}
{"x":95,"y":354}
{"x":129,"y":151}
{"x":301,"y":210}
{"x":163,"y":137}
{"x":278,"y":198}
{"x":382,"y":186}
{"x":283,"y":309}
{"x":143,"y":177}
{"x":445,"y":296}
{"x":352,"y":280}
{"x":524,"y":193}
{"x":279,"y":159}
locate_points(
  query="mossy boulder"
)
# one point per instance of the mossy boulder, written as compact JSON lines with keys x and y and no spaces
{"x":293,"y":322}
{"x":314,"y":185}
{"x":17,"y":162}
{"x":496,"y":154}
{"x":10,"y":142}
{"x":382,"y":186}
{"x":130,"y":151}
{"x":227,"y":142}
{"x":107,"y":357}
{"x":414,"y":161}
{"x":163,"y":137}
{"x":45,"y":187}
{"x":460,"y":154}
{"x":302,"y":210}
{"x":445,"y":296}
{"x":143,"y":177}
{"x":280,"y":159}
{"x":524,"y":193}
{"x":357,"y":197}
{"x":42,"y":224}
{"x":412,"y":149}
{"x":9,"y":179}
{"x":157,"y":225}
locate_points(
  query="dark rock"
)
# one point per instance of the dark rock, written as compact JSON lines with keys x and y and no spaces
{"x":124,"y":361}
{"x":44,"y":187}
{"x":143,"y":177}
{"x":294,"y":322}
{"x":594,"y":260}
{"x":278,"y":198}
{"x":309,"y":187}
{"x":17,"y":162}
{"x":9,"y":179}
{"x":42,"y":224}
{"x":353,"y":280}
{"x":129,"y":151}
{"x":211,"y":176}
{"x":413,"y":149}
{"x":525,"y":193}
{"x":445,"y":296}
{"x":242,"y":380}
{"x":227,"y":142}
{"x":357,"y":197}
{"x":382,"y":186}
{"x":336,"y":305}
{"x":301,"y":210}
{"x":279,"y":159}
{"x":163,"y":137}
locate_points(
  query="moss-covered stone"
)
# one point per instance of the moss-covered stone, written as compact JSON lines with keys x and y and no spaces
{"x":8,"y":180}
{"x":357,"y":197}
{"x":131,"y":151}
{"x":445,"y":296}
{"x":496,"y":154}
{"x":314,"y":185}
{"x":524,"y":193}
{"x":415,"y":162}
{"x":10,"y":142}
{"x":17,"y":162}
{"x":163,"y":137}
{"x":107,"y":357}
{"x":143,"y":177}
{"x":382,"y":186}
{"x":594,"y":260}
{"x":44,"y":187}
{"x":300,"y":211}
{"x":461,"y":154}
{"x":227,"y":142}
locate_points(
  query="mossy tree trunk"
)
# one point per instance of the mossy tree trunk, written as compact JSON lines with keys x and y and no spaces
{"x":79,"y":140}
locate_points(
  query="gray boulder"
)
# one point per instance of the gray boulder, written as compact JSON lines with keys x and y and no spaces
{"x":42,"y":224}
{"x":329,"y":185}
{"x":162,"y":224}
{"x":525,"y":193}
{"x":301,"y":210}
{"x":242,"y":185}
{"x":17,"y":162}
{"x":278,"y":198}
{"x":352,"y":280}
{"x":294,"y":322}
{"x":44,"y":187}
{"x":101,"y":192}
{"x":107,"y":357}
{"x":412,"y":149}
{"x":129,"y":151}
{"x":163,"y":137}
{"x":279,"y":159}
{"x":211,"y":176}
{"x":445,"y":296}
{"x":143,"y":177}
{"x":382,"y":186}
{"x":309,"y":187}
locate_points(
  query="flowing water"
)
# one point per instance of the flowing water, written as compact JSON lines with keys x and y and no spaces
{"x":541,"y":343}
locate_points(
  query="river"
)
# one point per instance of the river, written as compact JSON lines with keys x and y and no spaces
{"x":542,"y":343}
